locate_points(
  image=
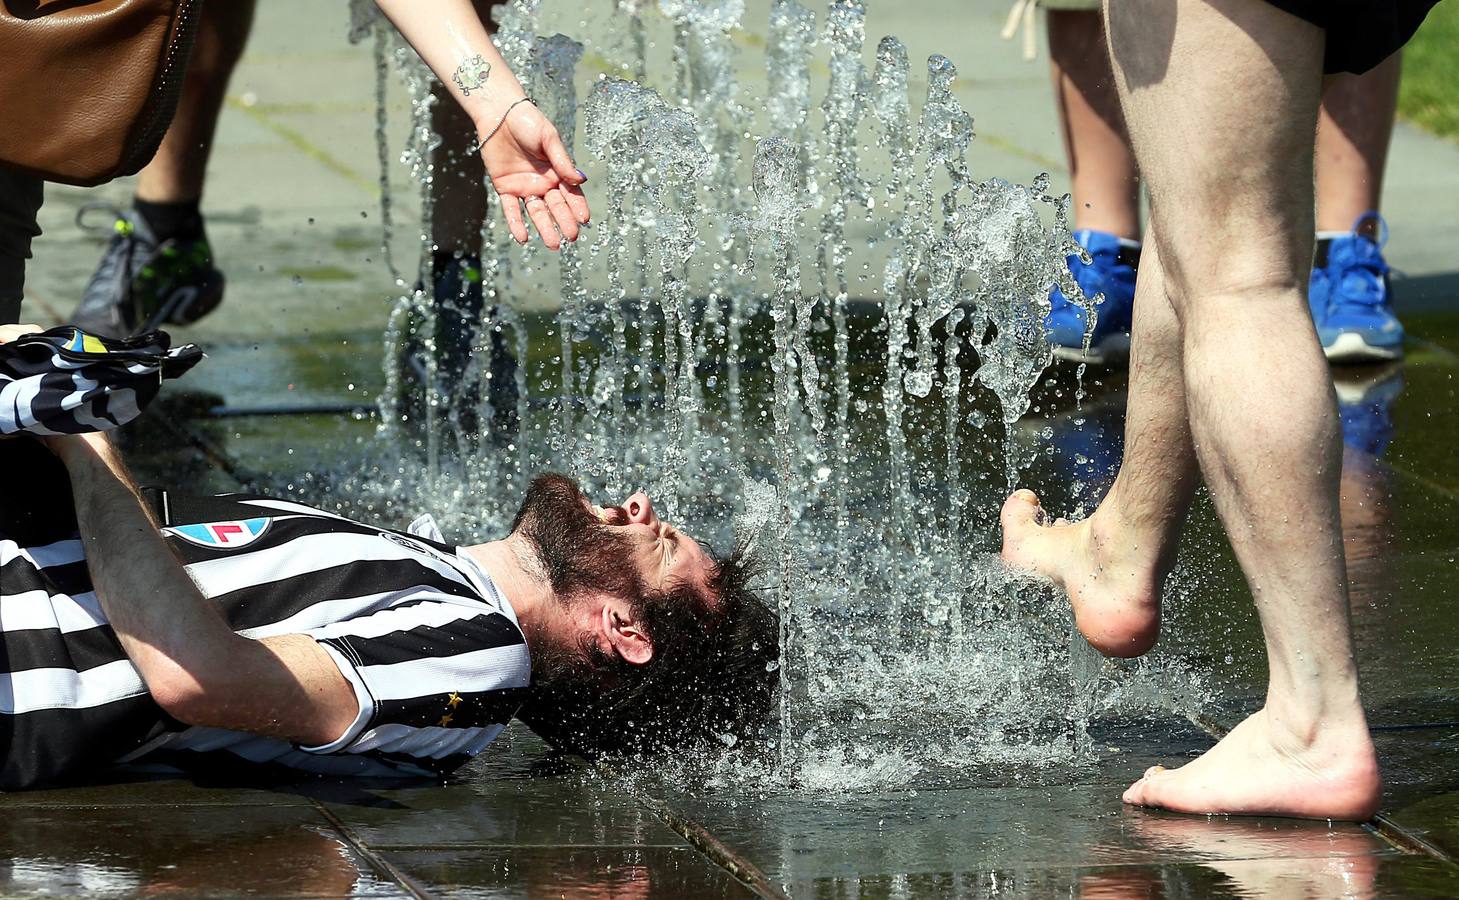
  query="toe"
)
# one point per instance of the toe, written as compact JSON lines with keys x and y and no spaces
{"x":1132,"y":793}
{"x":1021,"y":509}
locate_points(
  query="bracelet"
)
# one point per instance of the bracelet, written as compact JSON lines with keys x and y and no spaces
{"x":502,"y":121}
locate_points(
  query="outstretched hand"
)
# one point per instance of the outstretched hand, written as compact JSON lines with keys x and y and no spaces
{"x":529,"y":166}
{"x":9,"y":333}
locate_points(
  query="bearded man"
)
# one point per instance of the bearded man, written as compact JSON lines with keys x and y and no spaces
{"x":259,"y":631}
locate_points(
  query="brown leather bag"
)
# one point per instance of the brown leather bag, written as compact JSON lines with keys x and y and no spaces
{"x":88,"y":87}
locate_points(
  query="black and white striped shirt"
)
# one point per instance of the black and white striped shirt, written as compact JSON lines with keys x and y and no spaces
{"x":65,"y":381}
{"x":431,"y":647}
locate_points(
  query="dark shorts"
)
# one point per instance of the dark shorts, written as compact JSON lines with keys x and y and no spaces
{"x":1360,"y":33}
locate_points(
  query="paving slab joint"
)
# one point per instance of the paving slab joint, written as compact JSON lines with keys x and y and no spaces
{"x":1387,"y":829}
{"x":214,"y":454}
{"x":382,"y":867}
{"x":703,"y":840}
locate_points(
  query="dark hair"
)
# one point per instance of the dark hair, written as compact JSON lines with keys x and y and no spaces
{"x":710,"y":683}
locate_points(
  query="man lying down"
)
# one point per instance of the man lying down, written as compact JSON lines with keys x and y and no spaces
{"x":247,"y":630}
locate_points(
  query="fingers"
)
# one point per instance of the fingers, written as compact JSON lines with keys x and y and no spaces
{"x":542,"y":219}
{"x":562,"y":164}
{"x":512,"y":212}
{"x":9,"y":333}
{"x":562,"y":214}
{"x":576,"y":202}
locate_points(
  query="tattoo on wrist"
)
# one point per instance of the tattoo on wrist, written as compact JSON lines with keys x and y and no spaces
{"x":471,"y":75}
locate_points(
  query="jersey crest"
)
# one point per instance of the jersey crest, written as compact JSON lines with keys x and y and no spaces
{"x":81,"y":342}
{"x":222,"y":535}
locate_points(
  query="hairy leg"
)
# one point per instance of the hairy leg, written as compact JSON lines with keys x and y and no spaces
{"x":1353,"y":132}
{"x":1113,"y":565}
{"x":1104,"y":181}
{"x":1221,"y":98}
{"x":176,"y":174}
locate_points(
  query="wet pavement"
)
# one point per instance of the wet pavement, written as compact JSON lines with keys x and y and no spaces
{"x":295,"y":362}
{"x":525,"y":822}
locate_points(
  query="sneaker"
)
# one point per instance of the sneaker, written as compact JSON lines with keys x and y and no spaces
{"x":142,"y":283}
{"x":1350,"y":299}
{"x":459,"y":300}
{"x":1111,"y":272}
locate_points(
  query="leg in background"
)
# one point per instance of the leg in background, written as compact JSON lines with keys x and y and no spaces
{"x":458,"y":191}
{"x":459,"y":199}
{"x":158,"y":267}
{"x":1234,"y":223}
{"x":20,"y":200}
{"x":176,"y":174}
{"x":1353,"y":133}
{"x":1349,"y":297}
{"x":1105,"y":188}
{"x":458,"y":186}
{"x":1105,"y":183}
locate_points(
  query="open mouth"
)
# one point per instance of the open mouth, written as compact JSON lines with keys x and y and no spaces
{"x":608,"y":515}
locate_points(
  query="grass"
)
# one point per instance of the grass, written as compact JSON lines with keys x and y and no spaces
{"x":1429,"y":96}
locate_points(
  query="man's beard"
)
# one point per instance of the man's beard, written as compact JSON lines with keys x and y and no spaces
{"x":580,"y":556}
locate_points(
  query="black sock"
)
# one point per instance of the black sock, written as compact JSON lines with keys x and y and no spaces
{"x":168,"y":221}
{"x":1319,"y":255}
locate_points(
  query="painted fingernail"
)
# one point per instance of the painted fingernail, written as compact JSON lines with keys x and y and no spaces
{"x":583,"y":175}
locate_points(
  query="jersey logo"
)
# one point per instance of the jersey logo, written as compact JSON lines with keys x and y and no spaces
{"x":408,"y":544}
{"x":222,"y":535}
{"x":81,"y":342}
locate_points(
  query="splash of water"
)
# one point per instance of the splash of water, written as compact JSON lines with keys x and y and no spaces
{"x":681,"y":359}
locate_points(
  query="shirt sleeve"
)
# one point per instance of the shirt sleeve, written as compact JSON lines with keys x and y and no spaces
{"x":436,"y":679}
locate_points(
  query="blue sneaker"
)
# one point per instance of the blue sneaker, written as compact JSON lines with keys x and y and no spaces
{"x":1112,"y":273}
{"x":1350,"y":300}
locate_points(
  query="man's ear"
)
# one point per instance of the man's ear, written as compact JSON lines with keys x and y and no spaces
{"x":625,"y":633}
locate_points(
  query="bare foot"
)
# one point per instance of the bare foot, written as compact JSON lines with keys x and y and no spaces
{"x":1260,"y":770}
{"x":1113,"y":584}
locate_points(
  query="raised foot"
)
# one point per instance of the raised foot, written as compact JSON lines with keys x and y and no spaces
{"x":1112,"y":585}
{"x":1257,"y":770}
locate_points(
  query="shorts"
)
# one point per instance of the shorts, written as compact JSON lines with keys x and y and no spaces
{"x":1360,"y":33}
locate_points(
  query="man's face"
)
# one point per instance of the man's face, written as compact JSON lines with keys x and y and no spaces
{"x":623,"y":550}
{"x":659,"y":553}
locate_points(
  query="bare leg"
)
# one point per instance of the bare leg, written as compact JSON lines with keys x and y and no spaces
{"x":177,"y":172}
{"x":1353,"y":132}
{"x":1113,"y":565}
{"x":1105,"y":183}
{"x":1233,"y":218}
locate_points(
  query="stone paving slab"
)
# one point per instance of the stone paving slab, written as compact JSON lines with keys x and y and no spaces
{"x":1050,"y":827}
{"x":283,"y":850}
{"x":586,"y":872}
{"x":1395,"y":876}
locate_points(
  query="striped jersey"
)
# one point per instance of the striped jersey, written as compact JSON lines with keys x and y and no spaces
{"x":432,"y":649}
{"x":65,"y":381}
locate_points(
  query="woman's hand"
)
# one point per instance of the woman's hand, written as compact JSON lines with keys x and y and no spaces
{"x":9,"y":333}
{"x":529,"y":166}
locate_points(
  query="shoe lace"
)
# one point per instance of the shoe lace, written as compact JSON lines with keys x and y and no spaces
{"x":116,"y":263}
{"x":1361,"y":271}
